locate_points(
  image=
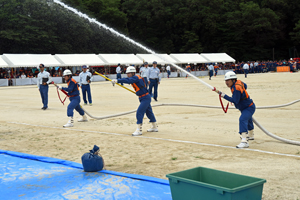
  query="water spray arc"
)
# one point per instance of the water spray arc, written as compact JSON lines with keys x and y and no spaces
{"x":174,"y":65}
{"x":127,"y":39}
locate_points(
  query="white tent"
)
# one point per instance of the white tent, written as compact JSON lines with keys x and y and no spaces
{"x":188,"y":58}
{"x":168,"y":59}
{"x":152,"y":57}
{"x":2,"y":62}
{"x":123,"y":59}
{"x":79,"y":59}
{"x":30,"y":60}
{"x":217,"y":57}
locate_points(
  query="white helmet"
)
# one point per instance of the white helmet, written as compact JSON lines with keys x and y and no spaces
{"x":230,"y":75}
{"x":67,"y":72}
{"x":130,"y":69}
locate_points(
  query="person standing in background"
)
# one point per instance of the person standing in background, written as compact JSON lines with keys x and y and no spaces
{"x":168,"y":70}
{"x":153,"y":79}
{"x":85,"y":79}
{"x":119,"y":72}
{"x":44,"y":79}
{"x":246,"y":69}
{"x":211,"y":70}
{"x":216,"y":67}
{"x":144,"y":72}
{"x":188,"y":69}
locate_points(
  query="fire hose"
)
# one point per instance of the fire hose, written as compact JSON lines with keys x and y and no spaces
{"x":193,"y":105}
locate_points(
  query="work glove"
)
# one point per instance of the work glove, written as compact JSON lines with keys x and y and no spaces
{"x":219,"y":92}
{"x":114,"y":81}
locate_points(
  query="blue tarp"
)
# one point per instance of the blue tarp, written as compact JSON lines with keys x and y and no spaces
{"x":24,"y":176}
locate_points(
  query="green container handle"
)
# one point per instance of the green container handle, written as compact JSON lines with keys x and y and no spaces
{"x":175,"y":180}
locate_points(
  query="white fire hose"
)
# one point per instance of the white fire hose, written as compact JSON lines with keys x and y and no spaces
{"x":218,"y":107}
{"x":174,"y":65}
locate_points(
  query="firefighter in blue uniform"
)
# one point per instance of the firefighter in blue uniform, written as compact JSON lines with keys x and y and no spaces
{"x":139,"y":85}
{"x":73,"y":92}
{"x":242,"y":101}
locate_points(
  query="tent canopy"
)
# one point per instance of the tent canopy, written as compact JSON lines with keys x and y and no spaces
{"x":33,"y":60}
{"x":78,"y":59}
{"x":30,"y":60}
{"x":2,"y":62}
{"x":152,"y":57}
{"x":188,"y":58}
{"x":217,"y":57}
{"x":114,"y":59}
{"x":167,"y":58}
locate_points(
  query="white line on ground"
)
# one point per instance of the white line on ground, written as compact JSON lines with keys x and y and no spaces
{"x":165,"y":139}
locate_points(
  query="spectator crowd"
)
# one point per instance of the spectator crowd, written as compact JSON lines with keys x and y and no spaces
{"x":254,"y":67}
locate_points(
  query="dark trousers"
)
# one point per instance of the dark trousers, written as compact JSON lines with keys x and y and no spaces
{"x":86,"y":89}
{"x":153,"y":84}
{"x":145,"y":107}
{"x":119,"y":77}
{"x":44,"y":94}
{"x":245,"y":120}
{"x":74,"y":104}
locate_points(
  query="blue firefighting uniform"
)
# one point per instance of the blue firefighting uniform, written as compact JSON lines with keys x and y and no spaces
{"x":141,"y":91}
{"x":73,"y":92}
{"x":242,"y":101}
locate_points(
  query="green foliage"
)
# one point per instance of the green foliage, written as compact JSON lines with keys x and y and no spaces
{"x":246,"y":30}
{"x":296,"y":33}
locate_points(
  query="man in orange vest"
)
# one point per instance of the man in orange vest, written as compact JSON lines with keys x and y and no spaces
{"x":140,"y":87}
{"x":241,"y":101}
{"x":188,"y":68}
{"x":73,"y":94}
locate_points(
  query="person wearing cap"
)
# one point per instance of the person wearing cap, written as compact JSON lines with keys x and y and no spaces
{"x":154,"y":78}
{"x":43,"y":80}
{"x":73,"y":94}
{"x":242,"y":101}
{"x":139,"y":85}
{"x":119,"y":72}
{"x":144,"y":71}
{"x":85,"y":79}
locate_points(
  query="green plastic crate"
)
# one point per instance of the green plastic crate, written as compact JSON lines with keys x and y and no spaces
{"x":210,"y":184}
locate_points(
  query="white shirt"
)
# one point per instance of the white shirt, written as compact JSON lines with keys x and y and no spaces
{"x":211,"y":67}
{"x":118,"y":70}
{"x":82,"y":77}
{"x":246,"y":66}
{"x":144,"y":71}
{"x":255,"y":64}
{"x":153,"y":73}
{"x":168,"y":68}
{"x":42,"y":75}
{"x":23,"y":76}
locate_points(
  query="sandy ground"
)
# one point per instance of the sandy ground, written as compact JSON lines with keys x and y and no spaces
{"x":24,"y":127}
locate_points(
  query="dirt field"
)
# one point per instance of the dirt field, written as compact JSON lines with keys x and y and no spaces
{"x":24,"y":127}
